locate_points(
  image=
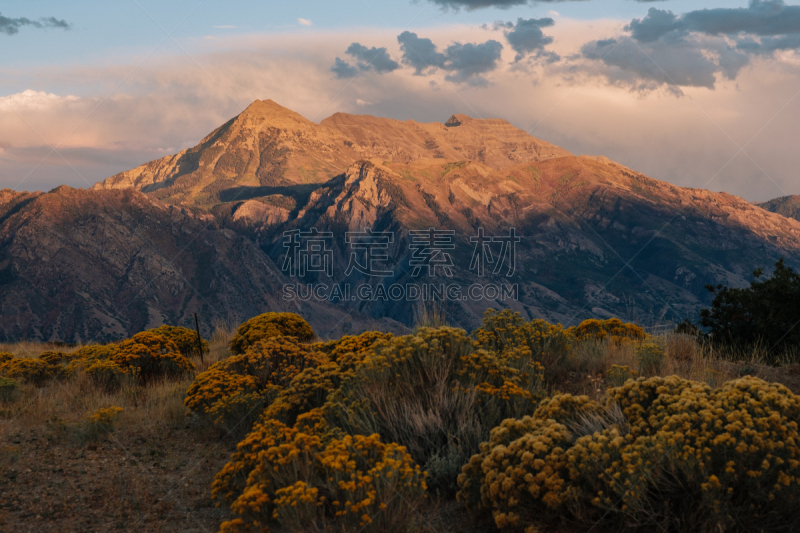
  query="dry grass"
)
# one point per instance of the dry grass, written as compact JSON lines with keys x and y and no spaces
{"x":153,"y":473}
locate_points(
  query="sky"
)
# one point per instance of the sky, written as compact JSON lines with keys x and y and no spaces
{"x":698,"y":93}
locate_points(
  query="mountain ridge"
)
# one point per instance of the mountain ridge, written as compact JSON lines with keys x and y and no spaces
{"x":205,"y":230}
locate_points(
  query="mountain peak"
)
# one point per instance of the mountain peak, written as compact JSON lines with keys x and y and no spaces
{"x":274,"y":113}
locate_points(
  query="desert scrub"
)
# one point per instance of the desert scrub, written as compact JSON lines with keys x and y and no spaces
{"x":351,"y":350}
{"x":35,"y":371}
{"x":436,"y":394}
{"x":185,"y":339}
{"x":9,"y":389}
{"x":105,"y":374}
{"x":97,"y":425}
{"x":231,"y":393}
{"x":95,"y":352}
{"x":270,"y":325}
{"x":619,"y":374}
{"x":506,"y":330}
{"x":301,"y":483}
{"x":651,"y":358}
{"x":612,"y":329}
{"x":153,"y":356}
{"x":660,"y":451}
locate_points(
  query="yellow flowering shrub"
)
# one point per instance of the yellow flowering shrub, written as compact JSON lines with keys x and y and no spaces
{"x":351,"y":350}
{"x":5,"y":357}
{"x":437,"y":394}
{"x":96,"y":351}
{"x":659,"y":451}
{"x":153,"y":356}
{"x":185,"y":339}
{"x":108,"y":375}
{"x":300,"y":483}
{"x":31,"y":370}
{"x":505,"y":330}
{"x":612,"y":329}
{"x":56,"y":358}
{"x":98,"y":424}
{"x":270,"y":325}
{"x":232,"y":392}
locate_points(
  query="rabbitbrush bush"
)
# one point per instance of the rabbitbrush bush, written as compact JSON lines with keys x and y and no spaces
{"x":438,"y":395}
{"x":152,"y":356}
{"x":97,"y":424}
{"x":679,"y":457}
{"x":185,"y":339}
{"x":231,"y":393}
{"x":303,"y":479}
{"x":270,"y":325}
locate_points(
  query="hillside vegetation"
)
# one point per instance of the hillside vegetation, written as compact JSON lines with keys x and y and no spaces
{"x":517,"y":426}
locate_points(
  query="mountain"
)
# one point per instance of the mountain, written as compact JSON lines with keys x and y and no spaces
{"x":256,"y":217}
{"x":80,"y":265}
{"x":268,"y":145}
{"x":597,"y":239}
{"x":788,"y":206}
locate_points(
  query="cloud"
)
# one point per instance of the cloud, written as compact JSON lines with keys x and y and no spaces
{"x":225,"y":27}
{"x":526,"y":38}
{"x":502,"y":4}
{"x":420,"y":53}
{"x":762,"y":18}
{"x":696,"y":48}
{"x":691,"y":62}
{"x":465,"y":63}
{"x":170,"y":103}
{"x":376,"y":59}
{"x":11,"y":26}
{"x":304,"y":22}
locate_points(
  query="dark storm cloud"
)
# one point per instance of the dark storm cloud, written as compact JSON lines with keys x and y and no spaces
{"x":502,"y":4}
{"x":465,"y":63}
{"x":376,"y":59}
{"x":11,"y":26}
{"x":526,"y":37}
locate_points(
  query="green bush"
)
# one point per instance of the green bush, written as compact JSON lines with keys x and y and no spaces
{"x":270,"y":325}
{"x":764,"y":315}
{"x":651,"y":358}
{"x":8,"y":389}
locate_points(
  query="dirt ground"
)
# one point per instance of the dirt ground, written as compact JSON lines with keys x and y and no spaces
{"x":137,"y":481}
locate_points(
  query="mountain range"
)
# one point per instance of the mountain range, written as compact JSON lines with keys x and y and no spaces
{"x":228,"y":229}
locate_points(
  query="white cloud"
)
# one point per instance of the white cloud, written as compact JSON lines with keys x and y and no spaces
{"x":38,"y":100}
{"x":225,"y":27}
{"x":304,"y":22}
